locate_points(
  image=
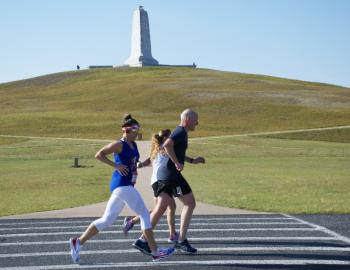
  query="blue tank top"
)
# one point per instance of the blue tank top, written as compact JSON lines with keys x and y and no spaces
{"x":128,"y":157}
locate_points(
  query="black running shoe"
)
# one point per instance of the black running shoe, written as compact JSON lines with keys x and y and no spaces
{"x":142,"y":246}
{"x":185,"y":247}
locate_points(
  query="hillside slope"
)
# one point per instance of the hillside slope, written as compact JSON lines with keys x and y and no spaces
{"x":91,"y":103}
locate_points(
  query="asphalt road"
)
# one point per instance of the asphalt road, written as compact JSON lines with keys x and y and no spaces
{"x":224,"y":242}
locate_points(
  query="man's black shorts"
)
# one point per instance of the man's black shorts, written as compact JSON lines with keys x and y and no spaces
{"x":174,"y":187}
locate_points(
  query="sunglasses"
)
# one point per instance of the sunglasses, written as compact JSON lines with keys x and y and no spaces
{"x":134,"y":128}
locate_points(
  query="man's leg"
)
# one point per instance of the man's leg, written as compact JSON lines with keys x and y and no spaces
{"x":189,"y":203}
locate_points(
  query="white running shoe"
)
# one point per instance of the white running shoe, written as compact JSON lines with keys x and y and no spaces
{"x":75,"y":249}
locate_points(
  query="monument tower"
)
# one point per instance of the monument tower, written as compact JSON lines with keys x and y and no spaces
{"x":141,"y":54}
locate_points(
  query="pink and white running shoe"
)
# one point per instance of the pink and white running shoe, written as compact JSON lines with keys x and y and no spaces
{"x":173,"y":238}
{"x":162,"y":253}
{"x":128,"y":224}
{"x":75,"y":249}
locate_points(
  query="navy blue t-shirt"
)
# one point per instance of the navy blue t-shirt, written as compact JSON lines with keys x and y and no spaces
{"x":179,"y":137}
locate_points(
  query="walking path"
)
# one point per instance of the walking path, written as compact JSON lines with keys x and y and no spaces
{"x":143,"y":186}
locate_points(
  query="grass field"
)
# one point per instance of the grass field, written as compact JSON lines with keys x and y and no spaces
{"x":335,"y":135}
{"x":37,"y":175}
{"x":299,"y":172}
{"x":277,"y":175}
{"x":248,"y":172}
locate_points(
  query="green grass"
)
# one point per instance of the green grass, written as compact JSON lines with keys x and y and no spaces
{"x":254,"y":173}
{"x":332,"y":135}
{"x":91,"y":103}
{"x":305,"y":172}
{"x":272,"y":175}
{"x":37,"y":175}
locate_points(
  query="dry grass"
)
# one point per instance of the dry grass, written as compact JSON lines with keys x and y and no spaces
{"x":90,"y":103}
{"x":253,"y":173}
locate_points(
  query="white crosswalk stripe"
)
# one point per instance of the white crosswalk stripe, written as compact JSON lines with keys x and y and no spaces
{"x":232,"y":219}
{"x":196,"y":239}
{"x":221,"y":249}
{"x":193,"y":224}
{"x":225,"y":237}
{"x":190,"y":230}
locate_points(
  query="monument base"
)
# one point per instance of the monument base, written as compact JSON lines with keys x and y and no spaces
{"x":105,"y":66}
{"x":141,"y":62}
{"x":159,"y":65}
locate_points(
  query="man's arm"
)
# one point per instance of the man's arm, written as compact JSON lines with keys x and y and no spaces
{"x":194,"y":160}
{"x":169,"y":149}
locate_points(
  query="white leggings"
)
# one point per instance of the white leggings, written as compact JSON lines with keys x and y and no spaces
{"x":120,"y":196}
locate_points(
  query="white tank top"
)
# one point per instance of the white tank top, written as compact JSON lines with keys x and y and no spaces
{"x":161,"y":160}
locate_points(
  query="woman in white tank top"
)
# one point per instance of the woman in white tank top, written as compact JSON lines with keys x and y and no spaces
{"x":158,"y":158}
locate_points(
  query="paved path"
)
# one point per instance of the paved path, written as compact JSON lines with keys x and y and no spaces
{"x":224,"y":242}
{"x":226,"y":239}
{"x":143,"y":185}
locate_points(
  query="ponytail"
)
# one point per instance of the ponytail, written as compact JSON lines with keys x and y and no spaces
{"x":158,"y":141}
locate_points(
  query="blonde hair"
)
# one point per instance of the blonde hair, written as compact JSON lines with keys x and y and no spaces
{"x":157,"y":142}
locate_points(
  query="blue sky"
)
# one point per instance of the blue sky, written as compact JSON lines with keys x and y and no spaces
{"x":299,"y":39}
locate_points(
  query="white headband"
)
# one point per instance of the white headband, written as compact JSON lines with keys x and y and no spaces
{"x":133,"y":128}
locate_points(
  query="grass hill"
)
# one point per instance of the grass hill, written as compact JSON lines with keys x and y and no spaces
{"x":91,"y":103}
{"x":294,"y":172}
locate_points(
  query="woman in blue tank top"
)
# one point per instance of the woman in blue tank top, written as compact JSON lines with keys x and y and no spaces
{"x":123,"y":192}
{"x":128,"y":157}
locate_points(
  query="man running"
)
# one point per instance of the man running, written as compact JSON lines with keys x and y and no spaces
{"x":172,"y":183}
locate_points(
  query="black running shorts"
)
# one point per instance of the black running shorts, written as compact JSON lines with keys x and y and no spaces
{"x":155,"y":188}
{"x":175,"y":187}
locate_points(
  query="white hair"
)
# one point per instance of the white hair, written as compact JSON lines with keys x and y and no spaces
{"x":188,"y":114}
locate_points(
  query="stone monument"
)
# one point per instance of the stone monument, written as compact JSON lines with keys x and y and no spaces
{"x":141,"y":53}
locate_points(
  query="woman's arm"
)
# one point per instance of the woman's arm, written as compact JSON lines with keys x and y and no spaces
{"x":147,"y":162}
{"x":114,"y":147}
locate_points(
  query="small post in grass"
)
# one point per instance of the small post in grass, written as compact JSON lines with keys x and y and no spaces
{"x":76,"y":162}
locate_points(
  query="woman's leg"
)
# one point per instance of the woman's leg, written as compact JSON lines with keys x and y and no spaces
{"x":113,"y":209}
{"x":136,"y":219}
{"x":134,"y":201}
{"x":163,"y":202}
